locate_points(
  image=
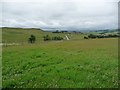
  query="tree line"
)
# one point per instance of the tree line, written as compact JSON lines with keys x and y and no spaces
{"x":101,"y":36}
{"x":32,"y":38}
{"x":47,"y":38}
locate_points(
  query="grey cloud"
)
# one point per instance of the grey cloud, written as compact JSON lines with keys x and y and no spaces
{"x":64,"y":15}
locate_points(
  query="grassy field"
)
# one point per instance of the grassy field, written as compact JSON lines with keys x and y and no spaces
{"x":18,"y":35}
{"x":76,"y":63}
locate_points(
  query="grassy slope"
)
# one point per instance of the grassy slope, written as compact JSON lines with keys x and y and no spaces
{"x":74,"y":63}
{"x":22,"y":35}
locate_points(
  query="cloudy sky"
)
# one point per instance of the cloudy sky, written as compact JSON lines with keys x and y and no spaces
{"x":60,"y":14}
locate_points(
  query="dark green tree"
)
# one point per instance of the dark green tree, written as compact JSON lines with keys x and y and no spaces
{"x":46,"y":38}
{"x":32,"y":39}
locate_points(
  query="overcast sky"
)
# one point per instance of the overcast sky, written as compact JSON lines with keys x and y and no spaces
{"x":61,"y":14}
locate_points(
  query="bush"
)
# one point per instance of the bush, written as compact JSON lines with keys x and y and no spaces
{"x":86,"y":37}
{"x":57,"y":38}
{"x":92,"y":36}
{"x":46,"y":38}
{"x":32,"y":39}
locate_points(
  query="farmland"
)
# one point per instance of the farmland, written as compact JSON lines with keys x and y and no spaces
{"x":74,"y":63}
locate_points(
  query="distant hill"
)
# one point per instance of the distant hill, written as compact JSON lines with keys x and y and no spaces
{"x":22,"y":28}
{"x":21,"y":35}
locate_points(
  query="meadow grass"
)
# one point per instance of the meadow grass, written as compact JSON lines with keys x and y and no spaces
{"x":76,"y":63}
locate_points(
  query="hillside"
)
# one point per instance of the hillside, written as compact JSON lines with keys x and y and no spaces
{"x":10,"y":35}
{"x":19,"y":34}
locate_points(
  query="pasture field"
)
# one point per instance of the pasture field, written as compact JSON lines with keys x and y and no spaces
{"x":18,"y":35}
{"x":76,"y":63}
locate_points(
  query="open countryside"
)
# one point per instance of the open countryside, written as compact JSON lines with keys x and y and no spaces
{"x":73,"y":62}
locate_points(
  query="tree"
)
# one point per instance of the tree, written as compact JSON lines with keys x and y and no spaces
{"x":46,"y":38}
{"x":85,"y":37}
{"x":32,"y":39}
{"x":92,"y":36}
{"x":57,"y":38}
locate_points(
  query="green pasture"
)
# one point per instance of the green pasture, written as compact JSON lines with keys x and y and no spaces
{"x":74,"y":63}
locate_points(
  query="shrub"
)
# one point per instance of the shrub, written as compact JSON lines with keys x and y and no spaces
{"x":32,"y":39}
{"x":57,"y":38}
{"x":46,"y":38}
{"x":92,"y":36}
{"x":85,"y":37}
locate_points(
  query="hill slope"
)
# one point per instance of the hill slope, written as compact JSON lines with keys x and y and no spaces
{"x":19,"y":35}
